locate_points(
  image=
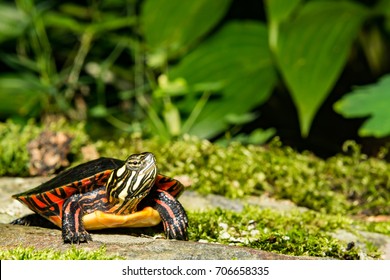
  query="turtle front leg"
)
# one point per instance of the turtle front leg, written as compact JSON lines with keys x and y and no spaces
{"x":173,"y":215}
{"x":73,"y":210}
{"x":73,"y":230}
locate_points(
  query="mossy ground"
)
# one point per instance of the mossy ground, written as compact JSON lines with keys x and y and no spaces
{"x":295,"y":232}
{"x":50,"y":254}
{"x":333,"y":190}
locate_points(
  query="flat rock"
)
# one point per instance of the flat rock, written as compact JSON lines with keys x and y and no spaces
{"x":131,"y":247}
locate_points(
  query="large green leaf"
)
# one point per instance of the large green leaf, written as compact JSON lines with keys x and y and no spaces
{"x":369,"y":101}
{"x":173,"y":25}
{"x":237,"y":58}
{"x":277,"y":12}
{"x":312,"y":50}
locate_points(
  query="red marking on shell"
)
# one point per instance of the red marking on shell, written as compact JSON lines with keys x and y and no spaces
{"x":37,"y":200}
{"x":53,"y":197}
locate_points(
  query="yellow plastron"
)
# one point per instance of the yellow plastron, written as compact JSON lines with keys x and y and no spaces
{"x":147,"y":217}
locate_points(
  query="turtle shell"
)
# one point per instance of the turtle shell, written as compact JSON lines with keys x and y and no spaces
{"x":48,"y":198}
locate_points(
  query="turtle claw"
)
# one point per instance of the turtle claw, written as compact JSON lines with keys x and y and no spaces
{"x":76,"y":237}
{"x":178,"y":232}
{"x":174,"y":218}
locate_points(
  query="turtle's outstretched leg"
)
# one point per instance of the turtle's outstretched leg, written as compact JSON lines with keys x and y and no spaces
{"x":72,"y":226}
{"x":33,"y":220}
{"x":173,"y":215}
{"x":73,"y":210}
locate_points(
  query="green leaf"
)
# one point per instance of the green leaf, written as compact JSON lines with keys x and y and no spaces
{"x":240,"y":119}
{"x":58,"y":20}
{"x":369,"y":101}
{"x":237,"y":58}
{"x":77,"y":11}
{"x":313,"y":49}
{"x":277,"y":12}
{"x":99,"y":111}
{"x":172,"y":119}
{"x":172,"y":25}
{"x":170,"y":88}
{"x":13,"y":22}
{"x":260,"y":136}
{"x":62,"y":21}
{"x":256,"y":137}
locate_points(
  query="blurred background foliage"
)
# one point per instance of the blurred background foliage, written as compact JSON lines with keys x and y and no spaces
{"x":313,"y":72}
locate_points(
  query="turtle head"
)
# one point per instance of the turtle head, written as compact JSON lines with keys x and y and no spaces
{"x":131,"y":182}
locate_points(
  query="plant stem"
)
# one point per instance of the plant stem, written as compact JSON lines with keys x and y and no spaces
{"x":139,"y":94}
{"x":195,"y":112}
{"x":85,"y":45}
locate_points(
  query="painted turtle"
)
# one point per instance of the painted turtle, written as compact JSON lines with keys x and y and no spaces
{"x":107,"y":193}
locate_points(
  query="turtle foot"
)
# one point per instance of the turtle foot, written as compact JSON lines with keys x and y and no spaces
{"x":173,"y":215}
{"x":21,"y":221}
{"x":33,"y":220}
{"x":177,"y":231}
{"x":76,"y":237}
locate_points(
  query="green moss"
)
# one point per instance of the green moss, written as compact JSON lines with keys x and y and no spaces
{"x":378,"y":227}
{"x":73,"y":253}
{"x":342,"y":184}
{"x":307,"y":233}
{"x":14,"y":156}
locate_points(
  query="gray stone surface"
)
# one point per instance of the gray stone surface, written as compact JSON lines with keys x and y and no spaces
{"x":380,"y":240}
{"x":131,"y":247}
{"x":9,"y":207}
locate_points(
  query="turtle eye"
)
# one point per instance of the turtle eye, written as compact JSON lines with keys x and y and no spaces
{"x":133,"y":164}
{"x":140,"y":161}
